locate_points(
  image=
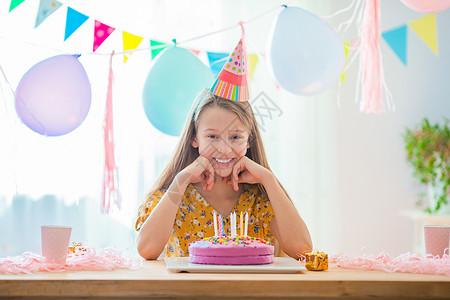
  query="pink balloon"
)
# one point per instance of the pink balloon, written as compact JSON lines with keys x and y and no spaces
{"x":427,"y":6}
{"x":54,"y":96}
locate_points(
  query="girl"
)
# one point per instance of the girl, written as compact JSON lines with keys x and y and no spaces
{"x":219,"y":165}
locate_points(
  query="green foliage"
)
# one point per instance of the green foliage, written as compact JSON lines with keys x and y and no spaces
{"x":428,"y":151}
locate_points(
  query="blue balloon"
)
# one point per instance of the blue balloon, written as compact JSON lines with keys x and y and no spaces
{"x":172,"y":83}
{"x":305,"y":54}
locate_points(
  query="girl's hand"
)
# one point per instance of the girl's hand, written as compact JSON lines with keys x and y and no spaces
{"x":200,"y":170}
{"x":246,"y":170}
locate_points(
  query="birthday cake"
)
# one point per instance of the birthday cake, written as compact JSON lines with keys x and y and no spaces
{"x":227,"y":250}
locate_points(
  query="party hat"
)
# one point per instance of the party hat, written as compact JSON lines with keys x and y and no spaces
{"x":231,"y":83}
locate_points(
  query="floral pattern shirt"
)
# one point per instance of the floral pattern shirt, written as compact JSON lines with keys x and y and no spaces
{"x":194,"y":219}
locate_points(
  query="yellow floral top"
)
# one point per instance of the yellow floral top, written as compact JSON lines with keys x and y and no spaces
{"x":194,"y":219}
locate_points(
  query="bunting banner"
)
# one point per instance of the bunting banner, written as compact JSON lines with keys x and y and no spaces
{"x":346,"y":53}
{"x":216,"y":61}
{"x":252,"y":62}
{"x":46,"y":8}
{"x":74,"y":20}
{"x":155,"y":51}
{"x":14,"y":4}
{"x":196,"y":52}
{"x":130,"y":42}
{"x":101,"y":33}
{"x":425,"y":28}
{"x":397,"y":39}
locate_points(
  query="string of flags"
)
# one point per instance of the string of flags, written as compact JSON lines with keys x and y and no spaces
{"x":424,"y":27}
{"x":75,"y":19}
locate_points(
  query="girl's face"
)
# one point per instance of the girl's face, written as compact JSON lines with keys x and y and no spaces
{"x":222,"y":138}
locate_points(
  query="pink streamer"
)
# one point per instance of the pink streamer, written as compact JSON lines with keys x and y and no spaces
{"x":405,"y":263}
{"x":110,"y":181}
{"x":89,"y":259}
{"x":371,"y":75}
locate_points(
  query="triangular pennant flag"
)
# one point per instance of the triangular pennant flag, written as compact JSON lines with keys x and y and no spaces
{"x":252,"y":61}
{"x":155,"y":51}
{"x":101,"y":33}
{"x":216,"y":61}
{"x":130,"y":42}
{"x":397,"y":40}
{"x":14,"y":4}
{"x":425,"y":28}
{"x":196,"y":52}
{"x":46,"y":8}
{"x":74,"y":20}
{"x":346,"y":52}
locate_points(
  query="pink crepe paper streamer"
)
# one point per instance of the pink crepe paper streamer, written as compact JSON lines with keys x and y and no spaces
{"x":110,"y":180}
{"x":405,"y":263}
{"x":370,"y":74}
{"x":90,"y":259}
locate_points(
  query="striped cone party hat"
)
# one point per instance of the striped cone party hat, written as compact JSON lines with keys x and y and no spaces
{"x":231,"y":83}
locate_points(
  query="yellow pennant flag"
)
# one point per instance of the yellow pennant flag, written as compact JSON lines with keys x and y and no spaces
{"x":425,"y":27}
{"x":252,"y":61}
{"x":130,"y":42}
{"x":346,"y":52}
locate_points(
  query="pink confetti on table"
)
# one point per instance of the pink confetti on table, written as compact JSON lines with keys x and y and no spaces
{"x":89,"y":259}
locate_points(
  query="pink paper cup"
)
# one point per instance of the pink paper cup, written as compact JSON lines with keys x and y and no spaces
{"x":55,"y":243}
{"x":436,"y":239}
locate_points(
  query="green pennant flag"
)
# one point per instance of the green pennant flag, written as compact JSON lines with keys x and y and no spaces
{"x":155,"y":52}
{"x":14,"y":4}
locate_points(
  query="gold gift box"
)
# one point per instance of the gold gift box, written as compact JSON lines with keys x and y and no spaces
{"x":316,"y":261}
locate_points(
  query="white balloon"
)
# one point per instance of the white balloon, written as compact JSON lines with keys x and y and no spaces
{"x":305,"y":54}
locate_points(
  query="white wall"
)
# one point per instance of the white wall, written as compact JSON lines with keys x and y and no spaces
{"x":374,"y":181}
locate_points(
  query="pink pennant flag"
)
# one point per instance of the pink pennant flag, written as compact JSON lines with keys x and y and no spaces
{"x":101,"y":33}
{"x":110,"y":192}
{"x":195,"y":51}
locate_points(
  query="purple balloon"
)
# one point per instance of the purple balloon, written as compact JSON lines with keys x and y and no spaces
{"x":54,"y":96}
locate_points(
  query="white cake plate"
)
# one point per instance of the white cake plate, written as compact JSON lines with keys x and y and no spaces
{"x":280,"y":265}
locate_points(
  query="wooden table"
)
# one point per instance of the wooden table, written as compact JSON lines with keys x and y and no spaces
{"x":154,"y":281}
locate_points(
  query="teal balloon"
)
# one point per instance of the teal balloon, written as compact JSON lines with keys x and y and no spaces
{"x":173,"y":82}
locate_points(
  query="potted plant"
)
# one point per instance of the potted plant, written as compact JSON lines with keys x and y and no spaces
{"x":428,"y":151}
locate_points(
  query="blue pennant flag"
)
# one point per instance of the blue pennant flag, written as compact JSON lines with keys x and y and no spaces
{"x":216,"y":61}
{"x":73,"y":21}
{"x":397,"y":40}
{"x":46,"y":8}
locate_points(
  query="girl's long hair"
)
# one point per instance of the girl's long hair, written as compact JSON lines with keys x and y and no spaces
{"x":185,"y":153}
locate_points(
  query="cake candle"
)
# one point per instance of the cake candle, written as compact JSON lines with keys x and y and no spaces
{"x":220,"y":225}
{"x":246,"y":223}
{"x":216,"y":233}
{"x":222,"y":232}
{"x":234,"y":225}
{"x":241,"y":223}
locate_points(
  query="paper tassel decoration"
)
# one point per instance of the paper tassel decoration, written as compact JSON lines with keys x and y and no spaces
{"x":110,"y":181}
{"x":101,"y":33}
{"x":14,"y":4}
{"x":370,"y":79}
{"x":74,"y":20}
{"x":397,"y":39}
{"x":130,"y":42}
{"x":231,"y":83}
{"x":46,"y":8}
{"x":425,"y":28}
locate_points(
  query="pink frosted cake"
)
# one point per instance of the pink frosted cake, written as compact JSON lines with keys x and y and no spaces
{"x":226,"y":250}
